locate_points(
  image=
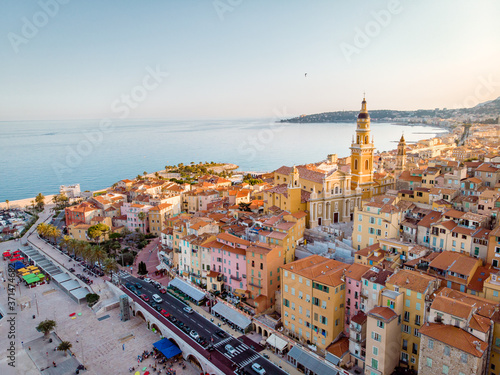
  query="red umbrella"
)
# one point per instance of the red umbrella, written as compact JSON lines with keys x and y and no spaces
{"x":17,"y":252}
{"x":6,"y":253}
{"x":146,"y":373}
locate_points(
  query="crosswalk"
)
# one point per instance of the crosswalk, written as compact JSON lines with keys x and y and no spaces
{"x":238,"y":350}
{"x":249,"y":360}
{"x":220,"y":343}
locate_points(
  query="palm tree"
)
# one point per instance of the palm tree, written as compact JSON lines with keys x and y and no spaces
{"x":42,"y":229}
{"x":65,"y":241}
{"x":109,"y":266}
{"x":7,"y":201}
{"x":40,"y":201}
{"x":73,"y":245}
{"x":46,"y":326}
{"x":64,"y":346}
{"x":53,"y":232}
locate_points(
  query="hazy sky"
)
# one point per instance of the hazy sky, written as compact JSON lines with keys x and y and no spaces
{"x":243,"y":58}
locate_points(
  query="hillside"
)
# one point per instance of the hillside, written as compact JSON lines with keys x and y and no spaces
{"x":489,"y":111}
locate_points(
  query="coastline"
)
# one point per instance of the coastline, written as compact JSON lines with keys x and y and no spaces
{"x":22,"y":203}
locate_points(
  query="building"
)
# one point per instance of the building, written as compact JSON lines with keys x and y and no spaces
{"x":313,"y":293}
{"x":362,"y":155}
{"x":353,"y":275}
{"x":383,"y":341}
{"x":400,"y":157}
{"x":446,"y":349}
{"x":378,"y":217}
{"x":157,"y":216}
{"x":81,"y":213}
{"x":416,"y":288}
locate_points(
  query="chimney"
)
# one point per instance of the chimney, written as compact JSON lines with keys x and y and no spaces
{"x":407,"y":280}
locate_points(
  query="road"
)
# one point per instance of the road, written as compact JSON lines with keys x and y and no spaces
{"x":244,"y":357}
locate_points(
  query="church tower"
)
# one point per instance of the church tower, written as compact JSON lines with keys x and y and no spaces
{"x":362,"y":155}
{"x":401,"y":157}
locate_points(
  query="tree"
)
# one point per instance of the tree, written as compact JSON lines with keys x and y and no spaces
{"x":97,"y":231}
{"x":42,"y":229}
{"x":92,"y":299}
{"x":7,"y":201}
{"x":144,"y":173}
{"x":64,"y":346}
{"x":142,"y":216}
{"x":65,"y":242}
{"x":109,"y":266}
{"x":46,"y":326}
{"x":40,"y":201}
{"x":142,"y":270}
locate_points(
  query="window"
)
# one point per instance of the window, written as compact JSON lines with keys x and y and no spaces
{"x":447,"y":351}
{"x":380,"y":324}
{"x":463,"y":358}
{"x":405,"y":344}
{"x":416,"y":333}
{"x":445,"y":369}
{"x":407,"y":316}
{"x":429,"y":362}
{"x":406,"y":329}
{"x":430,"y":344}
{"x":376,"y":336}
{"x":414,"y":348}
{"x":374,"y":364}
{"x":375,"y":350}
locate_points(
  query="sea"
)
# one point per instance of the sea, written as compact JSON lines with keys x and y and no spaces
{"x":39,"y":156}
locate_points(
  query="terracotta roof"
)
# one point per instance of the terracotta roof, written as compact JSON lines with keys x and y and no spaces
{"x":355,"y":271}
{"x":453,"y":307}
{"x":455,"y":262}
{"x":412,"y":280}
{"x":382,"y":312}
{"x":359,"y":318}
{"x":455,"y":337}
{"x":230,"y":238}
{"x":430,"y":218}
{"x":480,"y":323}
{"x":317,"y":268}
{"x":339,"y":348}
{"x":476,"y":283}
{"x":484,"y":306}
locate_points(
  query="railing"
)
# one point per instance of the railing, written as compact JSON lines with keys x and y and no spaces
{"x":236,"y":278}
{"x":255,"y":285}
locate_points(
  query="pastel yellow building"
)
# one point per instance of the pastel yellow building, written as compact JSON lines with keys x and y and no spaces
{"x":416,"y":288}
{"x":313,"y":293}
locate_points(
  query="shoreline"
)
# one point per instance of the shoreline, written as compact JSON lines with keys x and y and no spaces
{"x":23,"y":202}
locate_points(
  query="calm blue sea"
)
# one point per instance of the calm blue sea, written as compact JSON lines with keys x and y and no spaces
{"x":38,"y":156}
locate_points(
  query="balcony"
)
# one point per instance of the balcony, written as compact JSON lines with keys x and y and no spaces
{"x":255,"y":285}
{"x":355,"y":327}
{"x":236,"y":278}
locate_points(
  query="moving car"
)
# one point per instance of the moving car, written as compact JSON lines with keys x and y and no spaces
{"x":188,"y":309}
{"x":194,"y":335}
{"x":230,"y":349}
{"x":163,"y":291}
{"x":157,"y":298}
{"x":165,"y":313}
{"x":258,"y":369}
{"x":138,"y":285}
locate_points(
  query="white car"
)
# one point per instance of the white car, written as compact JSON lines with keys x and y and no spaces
{"x":194,"y":335}
{"x":258,"y":369}
{"x":188,"y":309}
{"x":147,"y":279}
{"x":230,"y":349}
{"x":157,"y":298}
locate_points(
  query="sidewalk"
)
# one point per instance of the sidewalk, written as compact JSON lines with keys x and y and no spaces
{"x":149,"y":255}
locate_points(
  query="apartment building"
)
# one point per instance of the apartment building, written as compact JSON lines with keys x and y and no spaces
{"x":313,"y":295}
{"x":416,"y":288}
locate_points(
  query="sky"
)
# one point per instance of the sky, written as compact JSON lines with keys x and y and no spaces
{"x":215,"y":59}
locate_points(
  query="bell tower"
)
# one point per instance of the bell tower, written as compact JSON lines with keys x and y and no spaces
{"x":362,"y":154}
{"x":401,"y":157}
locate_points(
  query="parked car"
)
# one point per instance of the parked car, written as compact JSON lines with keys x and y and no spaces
{"x":138,"y":285}
{"x":165,"y":313}
{"x":188,"y":309}
{"x":127,"y":285}
{"x":133,"y":288}
{"x":258,"y":369}
{"x":145,"y":298}
{"x":147,"y":279}
{"x":230,"y":349}
{"x":163,"y":291}
{"x":157,"y":298}
{"x":194,"y":335}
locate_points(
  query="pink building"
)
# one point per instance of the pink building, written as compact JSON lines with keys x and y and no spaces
{"x":134,"y":223}
{"x":353,"y":284}
{"x":228,"y":257}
